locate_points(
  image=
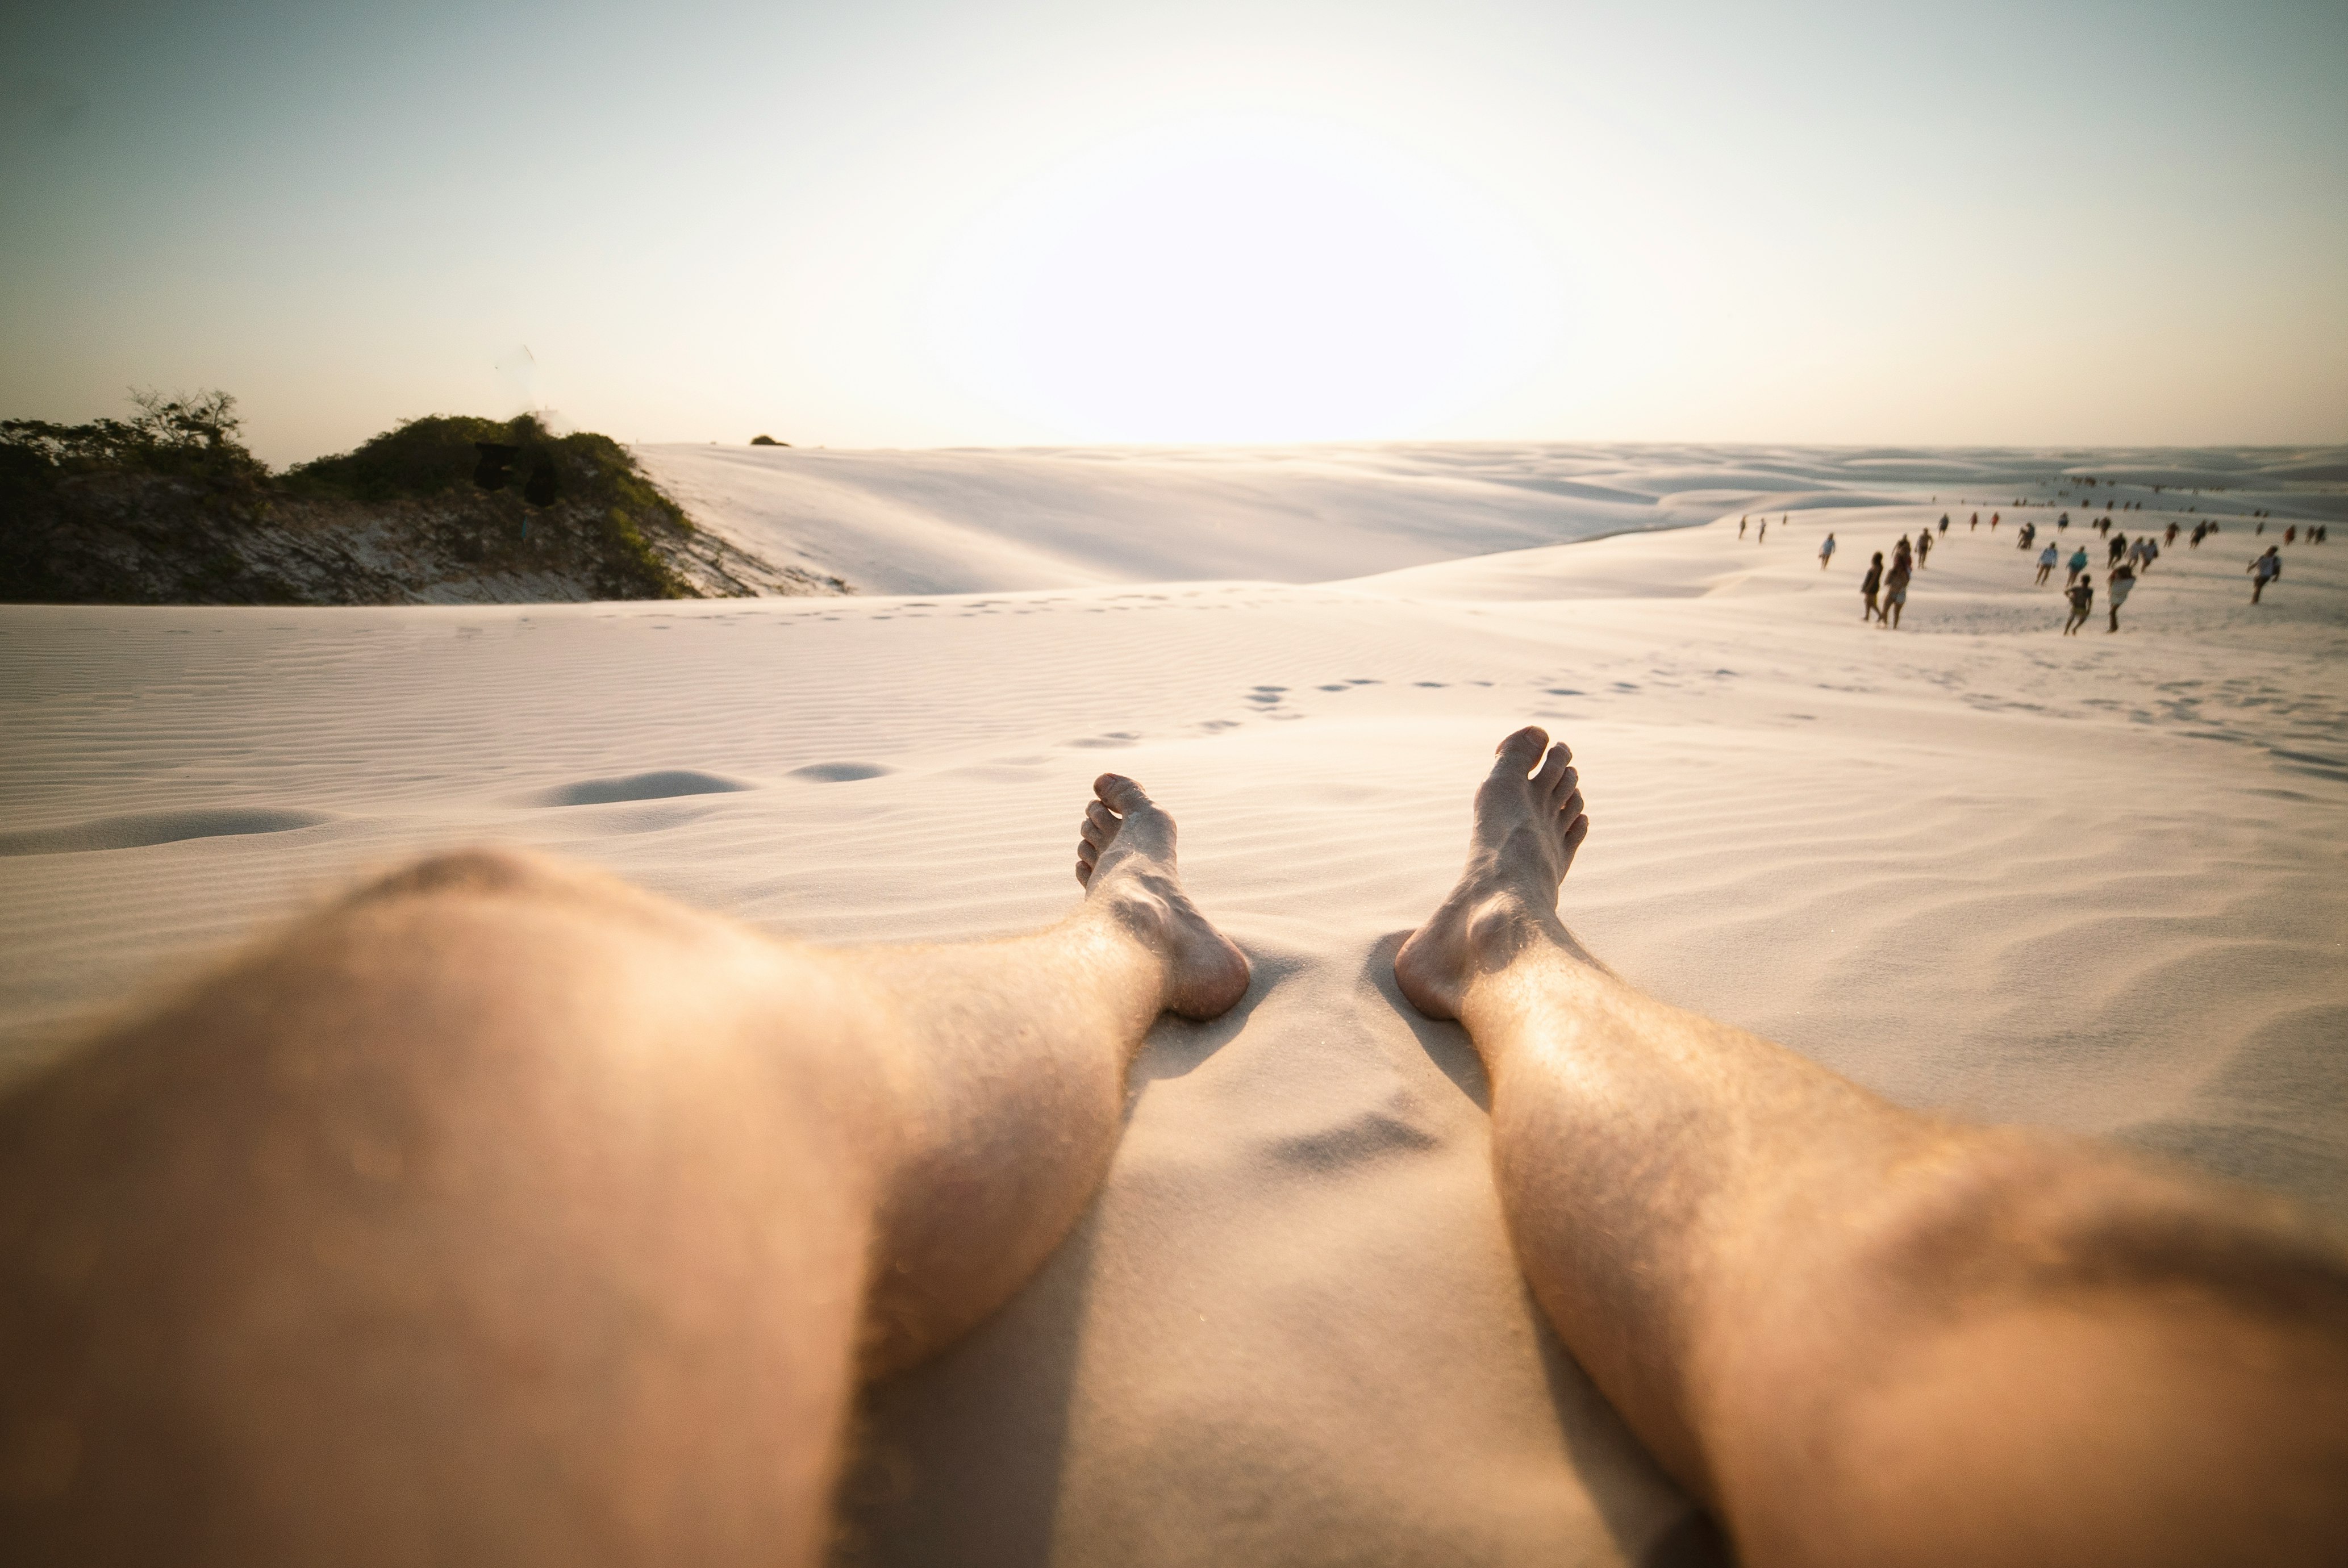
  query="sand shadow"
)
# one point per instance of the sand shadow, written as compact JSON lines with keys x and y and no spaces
{"x":1177,"y":1046}
{"x":1624,"y":1479}
{"x":959,"y":1461}
{"x":1445,"y":1044}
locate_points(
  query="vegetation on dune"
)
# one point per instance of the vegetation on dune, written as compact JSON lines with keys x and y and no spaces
{"x":440,"y":454}
{"x":169,"y":507}
{"x":191,"y":436}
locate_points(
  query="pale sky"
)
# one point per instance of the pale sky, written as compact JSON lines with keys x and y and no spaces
{"x":923,"y":223}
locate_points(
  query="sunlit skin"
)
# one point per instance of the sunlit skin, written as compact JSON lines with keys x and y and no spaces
{"x":1864,"y":1335}
{"x":502,"y":1212}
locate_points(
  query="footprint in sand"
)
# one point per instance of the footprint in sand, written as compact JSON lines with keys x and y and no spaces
{"x":663,"y":785}
{"x":139,"y":829}
{"x":1266,"y":695}
{"x":1432,"y":686}
{"x":1106,"y":742}
{"x":839,"y":772}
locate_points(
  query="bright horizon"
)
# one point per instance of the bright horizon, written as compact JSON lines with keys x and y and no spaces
{"x":947,"y":224}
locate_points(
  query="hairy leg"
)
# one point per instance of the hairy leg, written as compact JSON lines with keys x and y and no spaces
{"x":1861,"y":1334}
{"x":503,"y":1213}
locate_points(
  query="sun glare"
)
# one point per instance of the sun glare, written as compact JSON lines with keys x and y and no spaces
{"x":1241,"y":281}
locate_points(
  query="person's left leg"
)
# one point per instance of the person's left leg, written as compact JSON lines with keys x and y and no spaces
{"x":503,"y":1213}
{"x":1863,"y":1334}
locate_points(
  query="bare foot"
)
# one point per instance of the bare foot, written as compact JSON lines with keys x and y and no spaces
{"x":1528,"y":823}
{"x":1127,"y":862}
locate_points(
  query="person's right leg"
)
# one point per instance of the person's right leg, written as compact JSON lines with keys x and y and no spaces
{"x":506,"y":1214}
{"x":1864,"y":1335}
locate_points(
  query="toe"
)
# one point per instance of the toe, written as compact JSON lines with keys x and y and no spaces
{"x":1520,"y":752}
{"x":1121,"y":794}
{"x":1100,"y":820}
{"x":1089,"y":852}
{"x":1553,"y":770}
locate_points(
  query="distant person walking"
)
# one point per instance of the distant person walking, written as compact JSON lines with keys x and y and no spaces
{"x":1944,"y":522}
{"x":2290,"y":534}
{"x":1740,"y":526}
{"x":1869,"y":585}
{"x":1974,"y":526}
{"x":1826,"y":552}
{"x":2172,"y":533}
{"x":2122,"y":581}
{"x":2047,"y":560}
{"x":2263,"y":571}
{"x":2082,"y":594}
{"x":1993,"y":520}
{"x":1923,"y":548}
{"x":1895,"y":593}
{"x":2117,"y":549}
{"x":2077,"y":563}
{"x":1763,"y":537}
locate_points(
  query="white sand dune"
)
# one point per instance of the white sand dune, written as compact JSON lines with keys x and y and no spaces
{"x":2098,"y":882}
{"x":981,"y":522}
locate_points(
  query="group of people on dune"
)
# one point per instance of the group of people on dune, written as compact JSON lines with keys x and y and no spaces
{"x":1885,"y":589}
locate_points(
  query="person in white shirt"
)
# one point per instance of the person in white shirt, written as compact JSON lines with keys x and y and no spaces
{"x":2263,"y":571}
{"x":2122,"y":580}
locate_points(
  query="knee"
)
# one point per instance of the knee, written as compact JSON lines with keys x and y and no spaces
{"x":478,"y":870}
{"x":509,"y":891}
{"x":2024,"y":1217}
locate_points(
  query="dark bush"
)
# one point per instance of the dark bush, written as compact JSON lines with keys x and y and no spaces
{"x":416,"y":458}
{"x":190,"y":436}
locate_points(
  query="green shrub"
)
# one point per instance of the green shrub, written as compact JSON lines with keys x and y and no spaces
{"x":190,"y":436}
{"x":416,"y":458}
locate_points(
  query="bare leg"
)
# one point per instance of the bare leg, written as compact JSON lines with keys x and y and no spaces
{"x":506,"y":1214}
{"x":1861,"y":1334}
